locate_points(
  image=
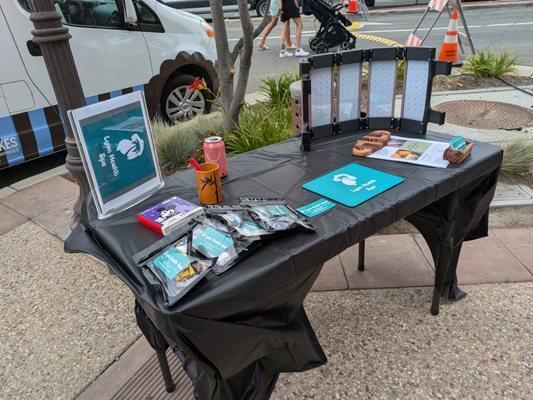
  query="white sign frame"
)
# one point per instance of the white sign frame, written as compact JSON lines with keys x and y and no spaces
{"x":137,"y":193}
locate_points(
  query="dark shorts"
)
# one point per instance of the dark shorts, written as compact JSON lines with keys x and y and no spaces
{"x":289,"y":10}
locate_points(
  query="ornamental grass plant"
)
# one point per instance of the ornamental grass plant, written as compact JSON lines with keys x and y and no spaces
{"x":174,"y":143}
{"x":260,"y":124}
{"x":491,"y":65}
{"x":277,"y":88}
{"x":517,"y":158}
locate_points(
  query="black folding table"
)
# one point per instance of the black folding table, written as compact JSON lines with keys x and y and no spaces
{"x":237,"y":331}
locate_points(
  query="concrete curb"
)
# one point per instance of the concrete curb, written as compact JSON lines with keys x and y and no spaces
{"x":482,"y":90}
{"x":522,"y":190}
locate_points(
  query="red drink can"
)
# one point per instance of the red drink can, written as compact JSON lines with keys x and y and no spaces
{"x":215,"y":152}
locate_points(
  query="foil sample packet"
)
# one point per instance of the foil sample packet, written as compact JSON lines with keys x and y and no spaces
{"x":215,"y":241}
{"x":170,"y":268}
{"x":238,"y":219}
{"x":274,"y":215}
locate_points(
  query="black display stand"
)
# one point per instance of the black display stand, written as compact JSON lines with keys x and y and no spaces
{"x":333,"y":61}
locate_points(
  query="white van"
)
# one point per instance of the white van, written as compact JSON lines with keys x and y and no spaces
{"x":159,"y":50}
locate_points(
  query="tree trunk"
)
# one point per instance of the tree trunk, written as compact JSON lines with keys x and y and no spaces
{"x":231,"y":96}
{"x":223,"y":59}
{"x":245,"y":61}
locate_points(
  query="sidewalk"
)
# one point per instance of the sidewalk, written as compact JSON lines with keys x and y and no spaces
{"x":98,"y":325}
{"x":352,"y":339}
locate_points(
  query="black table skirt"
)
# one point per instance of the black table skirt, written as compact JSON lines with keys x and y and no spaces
{"x":236,"y":332}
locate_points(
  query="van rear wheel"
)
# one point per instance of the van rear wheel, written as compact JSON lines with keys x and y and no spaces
{"x":179,"y":103}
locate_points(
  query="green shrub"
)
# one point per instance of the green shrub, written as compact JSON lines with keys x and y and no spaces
{"x":400,"y":73}
{"x":260,"y":124}
{"x":174,"y":143}
{"x":364,"y":76}
{"x":277,"y":88}
{"x":491,"y":65}
{"x":517,"y":158}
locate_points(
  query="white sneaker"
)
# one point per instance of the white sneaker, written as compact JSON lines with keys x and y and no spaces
{"x":285,"y":53}
{"x":301,"y":53}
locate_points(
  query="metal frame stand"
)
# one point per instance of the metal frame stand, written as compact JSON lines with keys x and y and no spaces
{"x":459,"y":8}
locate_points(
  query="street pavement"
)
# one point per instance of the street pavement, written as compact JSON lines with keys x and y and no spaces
{"x":497,"y":28}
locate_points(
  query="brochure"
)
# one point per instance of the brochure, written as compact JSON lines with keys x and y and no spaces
{"x":414,"y":151}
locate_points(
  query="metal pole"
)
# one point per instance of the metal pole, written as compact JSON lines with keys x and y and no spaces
{"x":432,"y":25}
{"x":465,"y":25}
{"x":52,"y":37}
{"x":421,"y":19}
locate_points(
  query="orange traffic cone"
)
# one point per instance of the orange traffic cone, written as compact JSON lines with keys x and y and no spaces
{"x":449,"y":50}
{"x":353,"y":6}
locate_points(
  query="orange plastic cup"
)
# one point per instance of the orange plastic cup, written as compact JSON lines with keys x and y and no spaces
{"x":209,"y":184}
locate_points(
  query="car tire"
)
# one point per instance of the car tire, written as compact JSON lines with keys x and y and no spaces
{"x":179,"y":103}
{"x":260,"y":8}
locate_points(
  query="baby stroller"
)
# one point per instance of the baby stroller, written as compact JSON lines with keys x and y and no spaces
{"x":333,"y":23}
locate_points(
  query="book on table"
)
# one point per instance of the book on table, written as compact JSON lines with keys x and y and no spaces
{"x":169,"y":215}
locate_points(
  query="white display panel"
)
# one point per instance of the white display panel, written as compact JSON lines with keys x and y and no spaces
{"x":381,"y":89}
{"x":415,"y":90}
{"x":349,"y":91}
{"x":321,"y":96}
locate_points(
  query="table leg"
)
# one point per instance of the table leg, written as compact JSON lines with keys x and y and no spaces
{"x":442,"y":264}
{"x":445,"y":276}
{"x":165,"y":371}
{"x":361,"y":258}
{"x":157,"y":341}
{"x":441,"y":229}
{"x":435,"y":303}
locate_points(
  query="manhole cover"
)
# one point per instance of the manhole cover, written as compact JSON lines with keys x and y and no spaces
{"x":483,"y":114}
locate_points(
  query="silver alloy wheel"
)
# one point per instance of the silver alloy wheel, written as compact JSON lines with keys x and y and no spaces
{"x":183,"y":103}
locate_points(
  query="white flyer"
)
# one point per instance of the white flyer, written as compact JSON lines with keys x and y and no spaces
{"x":414,"y":151}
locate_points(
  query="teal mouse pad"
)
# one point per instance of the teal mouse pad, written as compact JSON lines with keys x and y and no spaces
{"x":352,"y":184}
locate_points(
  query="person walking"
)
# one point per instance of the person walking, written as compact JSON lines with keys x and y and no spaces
{"x":274,"y":11}
{"x":290,"y":11}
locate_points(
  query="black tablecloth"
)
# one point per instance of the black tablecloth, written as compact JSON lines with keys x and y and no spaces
{"x":236,"y":332}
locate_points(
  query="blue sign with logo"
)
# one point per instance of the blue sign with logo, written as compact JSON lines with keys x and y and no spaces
{"x":117,"y":144}
{"x":352,"y":184}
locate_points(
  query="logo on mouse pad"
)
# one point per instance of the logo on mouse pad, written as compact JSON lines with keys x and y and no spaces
{"x":131,"y":148}
{"x":348,"y":180}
